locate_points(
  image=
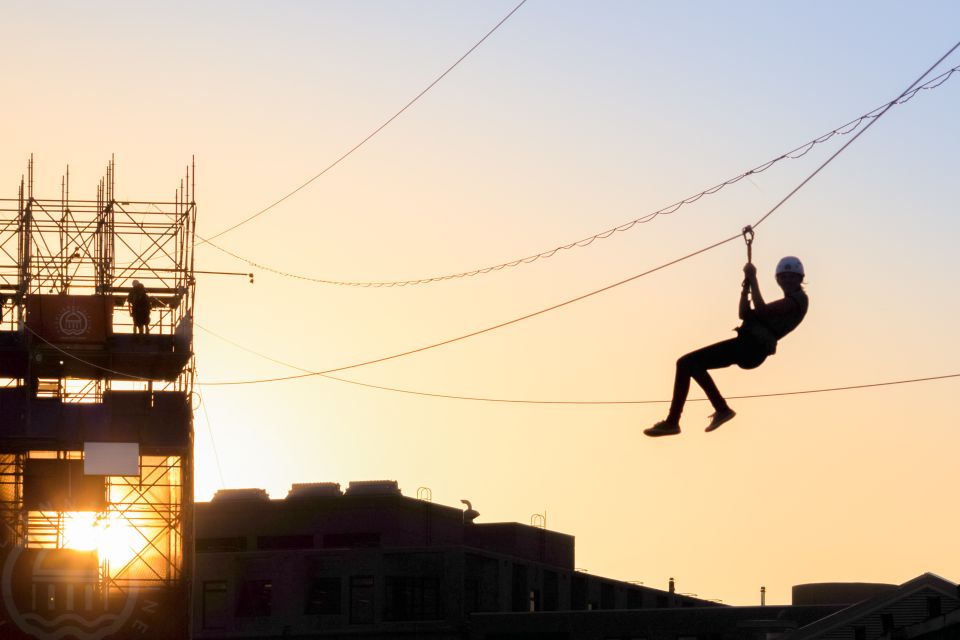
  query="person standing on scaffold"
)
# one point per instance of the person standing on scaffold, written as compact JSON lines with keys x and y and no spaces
{"x":763,"y":325}
{"x":139,"y":303}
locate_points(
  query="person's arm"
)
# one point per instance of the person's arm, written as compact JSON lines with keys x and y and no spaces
{"x":744,"y":301}
{"x":750,"y":283}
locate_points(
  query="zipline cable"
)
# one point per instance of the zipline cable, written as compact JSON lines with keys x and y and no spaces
{"x":573,"y":402}
{"x":472,"y":398}
{"x":793,"y":154}
{"x":479,"y":331}
{"x":529,"y":315}
{"x":373,"y":133}
{"x":858,"y":134}
{"x":596,"y":291}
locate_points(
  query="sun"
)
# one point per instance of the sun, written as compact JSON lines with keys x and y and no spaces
{"x":109,"y":534}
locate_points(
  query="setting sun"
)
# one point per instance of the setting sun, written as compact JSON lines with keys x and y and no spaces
{"x":111,"y":535}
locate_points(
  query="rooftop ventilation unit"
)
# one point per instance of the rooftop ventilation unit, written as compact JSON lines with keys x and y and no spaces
{"x":240,"y":495}
{"x":315,"y":490}
{"x":373,"y":488}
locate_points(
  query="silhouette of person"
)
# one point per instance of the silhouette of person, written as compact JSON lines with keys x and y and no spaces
{"x":139,"y":303}
{"x":763,"y":325}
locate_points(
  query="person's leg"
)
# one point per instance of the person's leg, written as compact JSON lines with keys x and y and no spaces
{"x":694,"y":365}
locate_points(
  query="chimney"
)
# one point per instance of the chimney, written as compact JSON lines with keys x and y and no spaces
{"x":672,"y":586}
{"x":763,"y":596}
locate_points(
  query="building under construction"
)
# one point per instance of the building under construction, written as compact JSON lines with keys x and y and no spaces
{"x":96,"y":429}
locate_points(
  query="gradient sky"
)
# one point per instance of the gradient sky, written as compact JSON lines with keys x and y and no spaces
{"x":572,"y":118}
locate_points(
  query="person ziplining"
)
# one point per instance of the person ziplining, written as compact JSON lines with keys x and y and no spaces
{"x":763,"y":325}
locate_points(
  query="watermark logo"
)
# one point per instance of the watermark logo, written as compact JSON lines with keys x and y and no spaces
{"x":51,"y":594}
{"x":73,"y":321}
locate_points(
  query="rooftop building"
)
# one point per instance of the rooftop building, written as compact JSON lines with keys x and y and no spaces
{"x":371,"y":561}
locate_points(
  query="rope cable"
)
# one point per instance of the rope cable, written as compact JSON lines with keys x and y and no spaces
{"x":574,"y":402}
{"x":524,"y":317}
{"x":858,"y":134}
{"x":794,"y":154}
{"x":485,"y":330}
{"x":533,"y":314}
{"x":372,"y":134}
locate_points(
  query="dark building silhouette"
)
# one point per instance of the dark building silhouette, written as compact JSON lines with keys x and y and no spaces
{"x":372,"y":563}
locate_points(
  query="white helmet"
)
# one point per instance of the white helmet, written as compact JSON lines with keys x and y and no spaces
{"x":790,"y":264}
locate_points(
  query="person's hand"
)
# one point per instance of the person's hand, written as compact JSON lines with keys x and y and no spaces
{"x":749,"y":271}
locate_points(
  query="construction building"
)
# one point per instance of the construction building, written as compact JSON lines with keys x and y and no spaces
{"x":96,"y":445}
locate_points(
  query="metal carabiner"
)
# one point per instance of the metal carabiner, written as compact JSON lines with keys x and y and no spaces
{"x":748,"y":238}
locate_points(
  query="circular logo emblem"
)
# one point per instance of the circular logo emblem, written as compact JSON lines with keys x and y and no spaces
{"x":72,"y":321}
{"x":51,"y":594}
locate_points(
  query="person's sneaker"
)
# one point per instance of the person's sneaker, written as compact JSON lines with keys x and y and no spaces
{"x":663,"y":428}
{"x":719,"y":418}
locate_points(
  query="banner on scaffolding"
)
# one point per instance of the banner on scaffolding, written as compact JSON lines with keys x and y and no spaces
{"x":111,"y":459}
{"x":70,"y":319}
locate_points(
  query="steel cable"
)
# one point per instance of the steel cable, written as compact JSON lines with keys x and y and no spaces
{"x":794,"y":154}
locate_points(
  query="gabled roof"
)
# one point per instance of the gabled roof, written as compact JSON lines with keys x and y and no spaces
{"x":863,"y":609}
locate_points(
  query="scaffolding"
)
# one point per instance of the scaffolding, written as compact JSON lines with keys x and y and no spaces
{"x":75,"y":374}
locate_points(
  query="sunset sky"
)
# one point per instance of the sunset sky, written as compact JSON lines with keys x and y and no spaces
{"x":570,"y":119}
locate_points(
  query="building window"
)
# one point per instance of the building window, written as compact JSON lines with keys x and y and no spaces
{"x":323,"y":596}
{"x":578,"y":593}
{"x":215,"y":604}
{"x":859,"y":632}
{"x":535,"y":600}
{"x":471,"y":595}
{"x":551,"y":591}
{"x":607,"y":598}
{"x":280,"y":543}
{"x":886,"y":622}
{"x":412,"y":598}
{"x":221,"y":545}
{"x":354,"y":540}
{"x":361,"y":599}
{"x":256,"y":599}
{"x":634,"y":599}
{"x":934,"y":608}
{"x":520,"y":594}
{"x":481,"y":584}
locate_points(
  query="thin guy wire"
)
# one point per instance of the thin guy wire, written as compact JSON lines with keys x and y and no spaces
{"x":375,"y":131}
{"x":575,"y":402}
{"x":213,"y":441}
{"x":591,"y":293}
{"x":793,"y":154}
{"x":126,"y":376}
